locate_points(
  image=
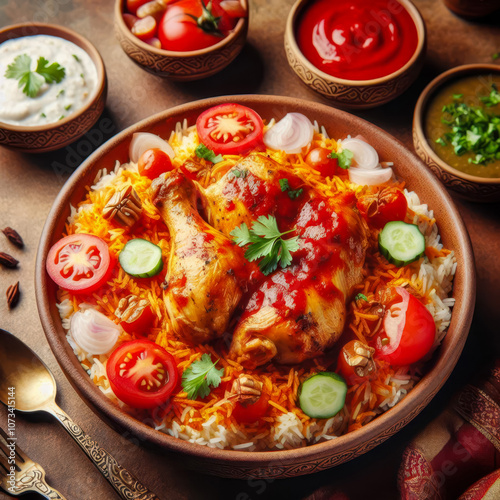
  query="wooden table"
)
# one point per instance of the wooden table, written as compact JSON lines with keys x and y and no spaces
{"x":29,"y":184}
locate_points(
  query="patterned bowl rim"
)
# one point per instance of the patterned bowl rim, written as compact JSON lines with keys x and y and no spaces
{"x":421,"y":108}
{"x":71,"y":36}
{"x":120,"y":23}
{"x":360,"y":440}
{"x":292,"y":41}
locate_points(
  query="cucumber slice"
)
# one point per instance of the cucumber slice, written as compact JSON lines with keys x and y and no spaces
{"x":141,"y":258}
{"x":322,"y":395}
{"x":401,"y":243}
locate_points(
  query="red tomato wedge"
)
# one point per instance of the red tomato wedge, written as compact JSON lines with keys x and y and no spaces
{"x":80,"y":263}
{"x":142,"y":374}
{"x":251,"y":413}
{"x":154,"y":162}
{"x":318,"y":159}
{"x":408,"y":333}
{"x":230,"y":129}
{"x":385,"y":206}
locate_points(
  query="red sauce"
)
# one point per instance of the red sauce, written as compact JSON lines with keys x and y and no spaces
{"x":357,"y":39}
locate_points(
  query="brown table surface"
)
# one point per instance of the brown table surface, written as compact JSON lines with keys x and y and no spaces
{"x":29,"y":184}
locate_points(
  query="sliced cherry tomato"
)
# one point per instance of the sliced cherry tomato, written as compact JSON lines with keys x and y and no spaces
{"x":133,"y":5}
{"x":142,"y":374}
{"x":318,"y":159}
{"x":408,"y":330}
{"x":80,"y":263}
{"x":154,"y":162}
{"x":251,"y":413}
{"x":230,"y":129}
{"x":192,"y":25}
{"x":145,"y":28}
{"x":354,"y":364}
{"x":385,"y":206}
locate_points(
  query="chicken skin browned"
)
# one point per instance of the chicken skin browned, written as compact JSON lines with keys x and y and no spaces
{"x":299,"y":312}
{"x":247,"y":191}
{"x":204,"y":268}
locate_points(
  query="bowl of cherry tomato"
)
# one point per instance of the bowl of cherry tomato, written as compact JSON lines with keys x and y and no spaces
{"x":182,"y":40}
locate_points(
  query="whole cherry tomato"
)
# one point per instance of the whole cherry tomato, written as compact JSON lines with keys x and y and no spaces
{"x":385,"y":206}
{"x":408,"y":330}
{"x":154,"y":162}
{"x":191,"y":25}
{"x":318,"y":159}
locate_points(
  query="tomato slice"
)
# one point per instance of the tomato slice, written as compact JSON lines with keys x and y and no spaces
{"x":142,"y":374}
{"x":251,"y":413}
{"x":318,"y":159}
{"x":230,"y":129}
{"x":408,"y":331}
{"x":80,"y":263}
{"x":154,"y":162}
{"x":385,"y":206}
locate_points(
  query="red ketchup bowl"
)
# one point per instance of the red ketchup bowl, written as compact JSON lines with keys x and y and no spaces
{"x":358,"y":53}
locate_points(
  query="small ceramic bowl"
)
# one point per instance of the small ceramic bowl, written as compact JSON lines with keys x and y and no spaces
{"x":467,"y":186}
{"x":354,"y":94}
{"x":472,"y":9}
{"x":43,"y":138}
{"x":181,"y":66}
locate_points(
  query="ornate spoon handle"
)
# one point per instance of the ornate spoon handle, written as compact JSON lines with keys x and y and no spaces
{"x":125,"y":484}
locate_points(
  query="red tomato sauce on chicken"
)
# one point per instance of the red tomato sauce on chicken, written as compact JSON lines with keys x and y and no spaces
{"x":357,"y":39}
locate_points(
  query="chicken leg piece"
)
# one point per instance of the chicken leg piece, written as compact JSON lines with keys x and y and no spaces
{"x":299,"y":312}
{"x":205,"y":268}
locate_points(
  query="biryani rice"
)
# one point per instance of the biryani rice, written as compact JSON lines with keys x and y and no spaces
{"x":209,"y":422}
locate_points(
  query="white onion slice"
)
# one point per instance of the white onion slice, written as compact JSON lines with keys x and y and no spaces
{"x":142,"y":141}
{"x":372,"y":177}
{"x":364,"y":155}
{"x":94,"y":332}
{"x":292,"y":133}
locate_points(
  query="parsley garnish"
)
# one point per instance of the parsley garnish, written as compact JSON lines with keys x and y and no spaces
{"x":77,"y":59}
{"x":344,"y":158}
{"x":31,"y":81}
{"x":61,"y":92}
{"x":473,"y":130}
{"x":265,"y":240}
{"x":239,"y":173}
{"x":68,"y":107}
{"x":360,"y":296}
{"x":197,"y":379}
{"x":285,"y":186}
{"x":43,"y":115}
{"x":495,"y":56}
{"x":207,"y":154}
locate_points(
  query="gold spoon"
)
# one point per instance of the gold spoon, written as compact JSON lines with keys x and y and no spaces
{"x":35,"y":390}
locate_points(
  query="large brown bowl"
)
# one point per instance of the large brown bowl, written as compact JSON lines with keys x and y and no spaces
{"x":181,"y":66}
{"x":275,"y":464}
{"x":354,"y":94}
{"x":51,"y":136}
{"x":469,"y":187}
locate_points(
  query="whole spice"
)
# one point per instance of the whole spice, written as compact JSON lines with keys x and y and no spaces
{"x":13,"y":295}
{"x":13,"y":236}
{"x":125,"y":207}
{"x":7,"y":260}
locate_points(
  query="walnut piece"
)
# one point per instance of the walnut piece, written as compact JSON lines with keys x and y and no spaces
{"x":125,"y":207}
{"x":130,"y":308}
{"x":246,"y":390}
{"x":360,"y":357}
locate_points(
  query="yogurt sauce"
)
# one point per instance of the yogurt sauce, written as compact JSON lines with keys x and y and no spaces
{"x":54,"y":101}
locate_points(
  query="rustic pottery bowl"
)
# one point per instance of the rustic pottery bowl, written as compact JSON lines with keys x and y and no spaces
{"x":49,"y":137}
{"x":180,"y":66}
{"x":354,"y":94}
{"x":467,"y":186}
{"x":275,"y":464}
{"x":472,"y":9}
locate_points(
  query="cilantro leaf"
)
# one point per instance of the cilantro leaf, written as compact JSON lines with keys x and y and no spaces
{"x":207,"y":154}
{"x":344,"y":158}
{"x":31,"y":81}
{"x":360,"y":296}
{"x":53,"y":73}
{"x":293,"y":195}
{"x":265,"y":240}
{"x":239,"y":173}
{"x":284,"y":185}
{"x":493,"y":99}
{"x":201,"y":374}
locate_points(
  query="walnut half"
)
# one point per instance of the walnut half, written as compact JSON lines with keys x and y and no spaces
{"x":125,"y":207}
{"x":360,"y":357}
{"x":246,"y":390}
{"x":130,"y":308}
